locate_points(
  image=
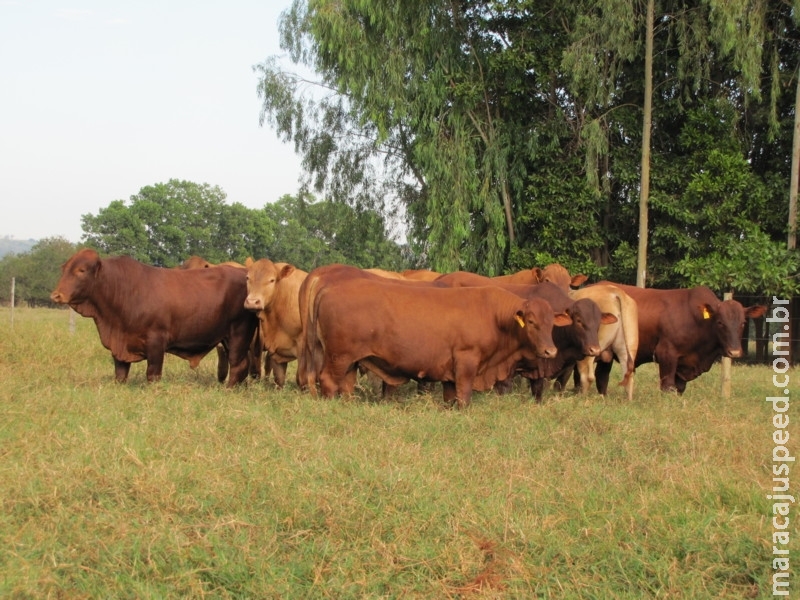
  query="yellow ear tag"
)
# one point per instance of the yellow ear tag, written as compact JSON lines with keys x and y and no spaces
{"x":706,"y":314}
{"x":520,"y":321}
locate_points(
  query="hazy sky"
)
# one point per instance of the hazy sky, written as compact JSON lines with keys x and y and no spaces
{"x":99,"y":99}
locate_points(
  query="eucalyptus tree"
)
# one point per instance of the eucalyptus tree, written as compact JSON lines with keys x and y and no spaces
{"x":433,"y":90}
{"x":708,"y":63}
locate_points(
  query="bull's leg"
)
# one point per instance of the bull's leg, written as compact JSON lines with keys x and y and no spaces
{"x":585,"y":374}
{"x":333,"y":376}
{"x":680,"y":385}
{"x":300,"y":373}
{"x":449,"y":392}
{"x":667,"y":368}
{"x":504,"y":386}
{"x":537,"y":388}
{"x":465,"y":367}
{"x":349,"y":381}
{"x":602,"y":373}
{"x":222,"y":363}
{"x":121,"y":370}
{"x":278,"y":371}
{"x":155,"y":361}
{"x":255,"y":356}
{"x":240,"y":336}
{"x":563,"y":378}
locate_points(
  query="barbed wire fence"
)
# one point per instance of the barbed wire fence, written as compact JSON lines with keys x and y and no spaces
{"x":759,"y":333}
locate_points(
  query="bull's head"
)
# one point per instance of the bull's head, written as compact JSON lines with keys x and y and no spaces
{"x":78,"y":275}
{"x":728,"y":319}
{"x":262,"y":277}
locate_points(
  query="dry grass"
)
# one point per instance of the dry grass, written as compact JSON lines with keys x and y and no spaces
{"x":185,"y":489}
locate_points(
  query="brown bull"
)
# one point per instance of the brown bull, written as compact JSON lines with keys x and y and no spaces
{"x":467,"y":338}
{"x":142,"y":312}
{"x":685,"y":331}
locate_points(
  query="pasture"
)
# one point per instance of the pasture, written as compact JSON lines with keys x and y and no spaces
{"x":184,"y":489}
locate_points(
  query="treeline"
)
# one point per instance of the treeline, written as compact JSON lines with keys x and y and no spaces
{"x":511,"y":132}
{"x":166,"y":223}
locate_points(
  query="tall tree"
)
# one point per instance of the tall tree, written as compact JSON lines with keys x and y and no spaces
{"x":647,"y":124}
{"x":427,"y":86}
{"x":474,"y":108}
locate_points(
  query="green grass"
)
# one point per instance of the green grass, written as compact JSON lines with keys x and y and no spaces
{"x":185,"y":489}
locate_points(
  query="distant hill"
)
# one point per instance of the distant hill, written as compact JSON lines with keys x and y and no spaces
{"x":9,"y":245}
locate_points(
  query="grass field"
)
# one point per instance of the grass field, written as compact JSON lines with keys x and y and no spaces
{"x":183,"y":489}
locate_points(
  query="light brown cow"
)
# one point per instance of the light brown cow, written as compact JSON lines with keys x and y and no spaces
{"x":272,"y":293}
{"x":554,"y":273}
{"x":618,"y":340}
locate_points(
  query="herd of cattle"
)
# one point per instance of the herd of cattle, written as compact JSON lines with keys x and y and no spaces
{"x":464,"y":330}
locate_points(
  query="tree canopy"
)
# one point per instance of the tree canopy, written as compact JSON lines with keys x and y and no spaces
{"x":510,"y":132}
{"x":166,"y":223}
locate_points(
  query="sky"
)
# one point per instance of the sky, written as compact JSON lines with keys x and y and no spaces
{"x":99,"y":99}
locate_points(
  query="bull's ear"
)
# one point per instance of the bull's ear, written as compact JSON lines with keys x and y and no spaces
{"x":706,"y":311}
{"x":753,"y":312}
{"x":562,"y":319}
{"x":607,"y":319}
{"x":578,"y":280}
{"x":519,"y":317}
{"x":248,"y":262}
{"x":285,"y":271}
{"x":537,"y":274}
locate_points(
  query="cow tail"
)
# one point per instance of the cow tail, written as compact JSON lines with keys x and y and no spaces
{"x":310,"y":335}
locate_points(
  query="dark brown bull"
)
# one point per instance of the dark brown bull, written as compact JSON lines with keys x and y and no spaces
{"x":574,"y":342}
{"x":467,"y":338}
{"x":142,"y":312}
{"x":685,"y":331}
{"x":198,"y":262}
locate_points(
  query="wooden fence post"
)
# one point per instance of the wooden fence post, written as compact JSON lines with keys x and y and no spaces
{"x":726,"y":364}
{"x":13,"y":288}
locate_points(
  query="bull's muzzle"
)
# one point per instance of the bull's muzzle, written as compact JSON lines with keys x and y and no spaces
{"x":253,"y":303}
{"x":57,"y":297}
{"x":548,"y":352}
{"x":734,"y":353}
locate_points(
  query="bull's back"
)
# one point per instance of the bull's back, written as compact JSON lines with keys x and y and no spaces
{"x":424,"y":320}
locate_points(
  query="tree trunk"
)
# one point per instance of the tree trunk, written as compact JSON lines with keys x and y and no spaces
{"x":792,"y":241}
{"x":641,"y":267}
